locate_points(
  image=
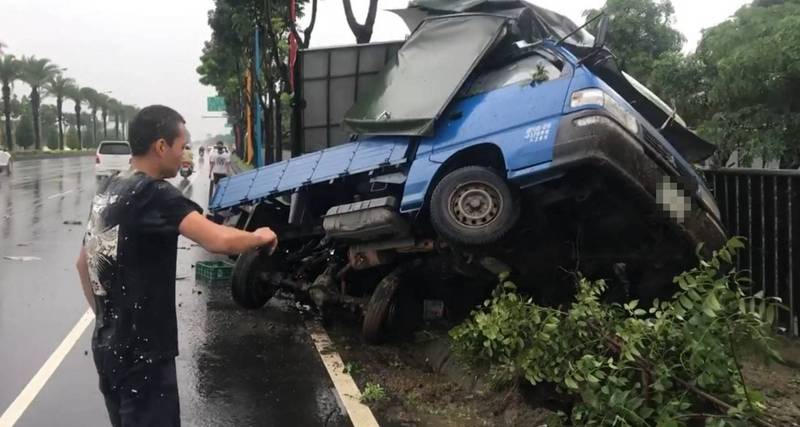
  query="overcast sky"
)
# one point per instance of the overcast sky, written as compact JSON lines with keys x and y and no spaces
{"x":147,"y":51}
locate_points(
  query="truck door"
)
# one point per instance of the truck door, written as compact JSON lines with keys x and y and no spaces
{"x":516,"y":106}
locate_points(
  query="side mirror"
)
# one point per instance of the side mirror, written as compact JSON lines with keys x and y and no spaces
{"x":602,"y":32}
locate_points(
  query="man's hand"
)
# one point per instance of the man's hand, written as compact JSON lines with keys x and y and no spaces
{"x":222,"y":239}
{"x":268,"y":237}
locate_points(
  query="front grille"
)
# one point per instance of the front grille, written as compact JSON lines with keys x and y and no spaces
{"x":653,"y":142}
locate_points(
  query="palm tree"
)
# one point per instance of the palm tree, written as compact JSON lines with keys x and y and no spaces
{"x":58,"y":87}
{"x":9,"y":71}
{"x":103,"y":103}
{"x":75,"y":93}
{"x":92,"y":97}
{"x":128,"y":112}
{"x":36,"y":73}
{"x":115,"y":107}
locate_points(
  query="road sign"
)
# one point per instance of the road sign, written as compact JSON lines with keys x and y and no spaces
{"x":216,"y":103}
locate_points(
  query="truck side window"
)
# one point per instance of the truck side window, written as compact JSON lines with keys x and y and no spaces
{"x":533,"y":68}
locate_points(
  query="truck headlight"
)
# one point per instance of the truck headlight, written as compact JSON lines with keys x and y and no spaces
{"x":597,"y":97}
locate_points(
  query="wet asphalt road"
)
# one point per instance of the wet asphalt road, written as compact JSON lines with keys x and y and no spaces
{"x":236,"y":367}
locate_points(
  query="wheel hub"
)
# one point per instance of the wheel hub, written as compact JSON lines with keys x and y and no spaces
{"x":475,"y":204}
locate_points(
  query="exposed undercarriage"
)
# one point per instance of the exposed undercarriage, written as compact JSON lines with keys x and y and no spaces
{"x":366,"y":256}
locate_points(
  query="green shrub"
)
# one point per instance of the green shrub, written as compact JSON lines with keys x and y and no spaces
{"x":665,"y":365}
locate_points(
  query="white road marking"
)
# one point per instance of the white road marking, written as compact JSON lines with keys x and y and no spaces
{"x":35,"y":385}
{"x":360,"y":414}
{"x":60,"y":194}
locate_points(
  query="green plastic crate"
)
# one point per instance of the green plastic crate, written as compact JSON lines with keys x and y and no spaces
{"x":213,"y":271}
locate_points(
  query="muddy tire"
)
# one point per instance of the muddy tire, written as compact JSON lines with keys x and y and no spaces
{"x":248,"y":288}
{"x":473,"y":205}
{"x":381,"y":309}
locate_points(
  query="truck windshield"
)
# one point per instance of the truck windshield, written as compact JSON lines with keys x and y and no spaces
{"x":532,"y":68}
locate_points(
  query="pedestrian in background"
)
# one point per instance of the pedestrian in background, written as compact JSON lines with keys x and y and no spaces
{"x":220,"y":161}
{"x":127,"y":266}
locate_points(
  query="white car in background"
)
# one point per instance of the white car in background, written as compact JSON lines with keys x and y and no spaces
{"x":112,"y":157}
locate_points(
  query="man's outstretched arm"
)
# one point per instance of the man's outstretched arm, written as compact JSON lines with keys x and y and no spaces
{"x":225,"y":240}
{"x":86,"y":283}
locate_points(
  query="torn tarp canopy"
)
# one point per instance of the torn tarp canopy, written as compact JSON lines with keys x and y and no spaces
{"x":545,"y":23}
{"x":429,"y":69}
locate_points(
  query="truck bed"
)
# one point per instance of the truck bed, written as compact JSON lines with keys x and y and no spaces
{"x":288,"y":175}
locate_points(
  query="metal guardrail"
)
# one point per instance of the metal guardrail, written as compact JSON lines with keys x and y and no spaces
{"x":764,"y":206}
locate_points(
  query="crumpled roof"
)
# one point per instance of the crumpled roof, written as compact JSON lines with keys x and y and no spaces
{"x":541,"y":23}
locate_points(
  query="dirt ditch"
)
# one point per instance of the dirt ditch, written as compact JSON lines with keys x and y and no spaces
{"x":423,"y":386}
{"x":780,"y":384}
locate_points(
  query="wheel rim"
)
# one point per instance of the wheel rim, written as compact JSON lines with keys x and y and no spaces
{"x":475,"y":204}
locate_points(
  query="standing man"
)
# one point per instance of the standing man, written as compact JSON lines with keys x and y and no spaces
{"x":127,"y":269}
{"x":5,"y":161}
{"x":220,"y":161}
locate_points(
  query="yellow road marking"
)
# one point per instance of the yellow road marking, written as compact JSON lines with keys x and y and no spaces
{"x":360,"y":414}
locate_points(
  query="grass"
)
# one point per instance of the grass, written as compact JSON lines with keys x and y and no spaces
{"x":373,"y":393}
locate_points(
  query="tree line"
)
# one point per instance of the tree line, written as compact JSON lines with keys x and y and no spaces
{"x":228,"y":61}
{"x":739,"y":88}
{"x":29,"y":123}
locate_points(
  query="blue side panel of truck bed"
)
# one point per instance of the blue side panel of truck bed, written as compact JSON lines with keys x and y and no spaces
{"x":312,"y":168}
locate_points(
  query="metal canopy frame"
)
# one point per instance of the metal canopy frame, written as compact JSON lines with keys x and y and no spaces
{"x":320,"y":126}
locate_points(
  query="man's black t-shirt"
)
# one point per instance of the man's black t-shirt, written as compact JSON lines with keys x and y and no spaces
{"x":131,"y":244}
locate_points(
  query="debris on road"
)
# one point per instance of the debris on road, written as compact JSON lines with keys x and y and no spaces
{"x":73,"y":223}
{"x":22,"y":258}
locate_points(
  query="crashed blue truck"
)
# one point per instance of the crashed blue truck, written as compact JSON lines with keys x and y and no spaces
{"x":491,"y":140}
